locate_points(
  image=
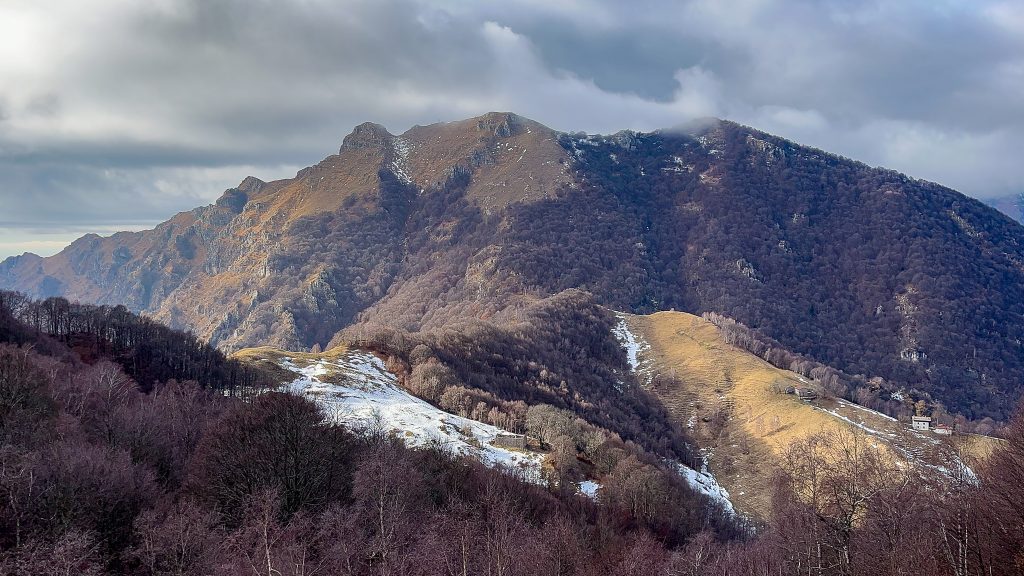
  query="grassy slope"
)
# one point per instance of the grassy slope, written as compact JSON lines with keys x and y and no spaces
{"x":726,"y":396}
{"x":269,"y":358}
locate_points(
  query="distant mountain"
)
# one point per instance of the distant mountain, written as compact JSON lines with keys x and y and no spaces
{"x":861,"y":268}
{"x":1012,"y":206}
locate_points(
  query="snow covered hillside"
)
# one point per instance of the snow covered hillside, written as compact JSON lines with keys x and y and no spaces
{"x":358,"y":390}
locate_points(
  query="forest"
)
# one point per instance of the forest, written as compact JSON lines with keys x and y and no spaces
{"x":862,"y":269}
{"x":148,"y":352}
{"x":99,"y":475}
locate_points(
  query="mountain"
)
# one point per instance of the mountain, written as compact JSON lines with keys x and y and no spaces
{"x":252,"y":268}
{"x":1012,"y":206}
{"x":478,"y":223}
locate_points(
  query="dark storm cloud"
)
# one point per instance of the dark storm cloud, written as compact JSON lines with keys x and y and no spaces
{"x":115,"y":111}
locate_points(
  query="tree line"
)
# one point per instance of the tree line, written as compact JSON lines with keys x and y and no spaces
{"x":98,"y":476}
{"x":148,"y":351}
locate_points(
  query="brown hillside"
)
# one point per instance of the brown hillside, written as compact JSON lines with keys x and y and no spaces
{"x":210,"y":269}
{"x":735,"y":406}
{"x":513,"y":159}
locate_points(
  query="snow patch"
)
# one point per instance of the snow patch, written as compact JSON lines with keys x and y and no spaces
{"x":633,"y":345}
{"x":356,"y":389}
{"x":400,"y":162}
{"x":705,"y":482}
{"x":860,"y":425}
{"x":677,"y":165}
{"x":589,"y":489}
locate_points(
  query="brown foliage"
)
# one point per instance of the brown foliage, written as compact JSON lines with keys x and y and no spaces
{"x":279,"y":442}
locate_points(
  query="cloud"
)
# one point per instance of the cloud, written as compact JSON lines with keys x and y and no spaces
{"x":119,"y":111}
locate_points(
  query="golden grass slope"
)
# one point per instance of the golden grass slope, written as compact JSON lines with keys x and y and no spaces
{"x":730,"y":401}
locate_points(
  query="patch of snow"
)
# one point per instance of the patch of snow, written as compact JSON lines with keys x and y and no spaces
{"x":589,"y":489}
{"x":857,"y":424}
{"x":708,"y":145}
{"x":706,"y":483}
{"x":629,"y":342}
{"x":361,"y":393}
{"x":968,"y":473}
{"x":400,"y":162}
{"x":865,"y":409}
{"x":678,"y":166}
{"x":633,"y":345}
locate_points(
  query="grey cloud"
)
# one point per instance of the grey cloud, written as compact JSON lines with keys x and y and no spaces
{"x":133,"y":111}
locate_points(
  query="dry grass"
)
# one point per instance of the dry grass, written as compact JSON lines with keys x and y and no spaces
{"x":268,"y":358}
{"x":731,"y":402}
{"x":980,"y":447}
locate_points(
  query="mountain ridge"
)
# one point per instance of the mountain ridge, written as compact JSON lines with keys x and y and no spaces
{"x":858,"y":267}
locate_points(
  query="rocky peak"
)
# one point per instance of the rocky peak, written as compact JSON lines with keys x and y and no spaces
{"x":235,"y":199}
{"x":501,"y":124}
{"x":367,"y":136}
{"x":251,"y":185}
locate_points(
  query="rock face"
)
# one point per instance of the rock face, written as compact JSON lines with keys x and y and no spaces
{"x":367,"y":136}
{"x":862,"y":268}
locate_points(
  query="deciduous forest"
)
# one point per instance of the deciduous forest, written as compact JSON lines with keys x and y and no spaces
{"x":101,"y":475}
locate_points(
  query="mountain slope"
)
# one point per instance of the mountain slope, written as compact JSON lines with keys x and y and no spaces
{"x":736,"y":406}
{"x":861,"y":268}
{"x":327,"y":242}
{"x":1012,"y":206}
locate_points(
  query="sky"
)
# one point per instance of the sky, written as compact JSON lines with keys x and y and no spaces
{"x":116,"y":114}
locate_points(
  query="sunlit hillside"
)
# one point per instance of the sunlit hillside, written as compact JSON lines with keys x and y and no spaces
{"x":737,"y":407}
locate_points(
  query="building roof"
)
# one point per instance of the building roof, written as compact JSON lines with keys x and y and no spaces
{"x":922,"y":418}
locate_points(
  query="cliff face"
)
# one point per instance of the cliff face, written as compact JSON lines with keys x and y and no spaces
{"x":862,"y":268}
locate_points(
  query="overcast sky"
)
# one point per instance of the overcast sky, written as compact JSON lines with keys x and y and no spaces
{"x":115,"y":114}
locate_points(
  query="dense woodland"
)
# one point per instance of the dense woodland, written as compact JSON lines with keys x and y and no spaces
{"x":862,"y":269}
{"x":99,"y":477}
{"x":561,"y":353}
{"x":147,"y":351}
